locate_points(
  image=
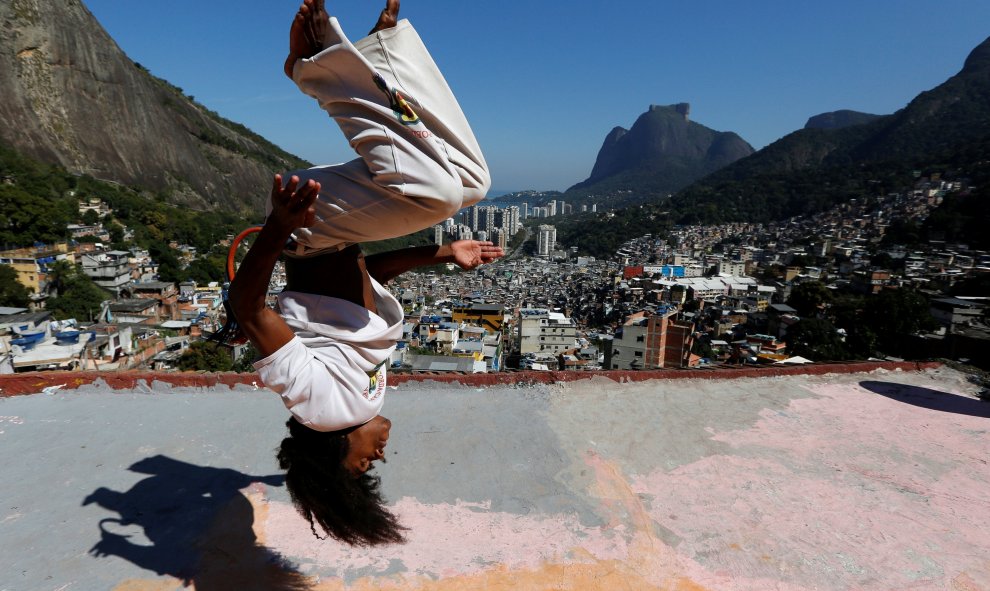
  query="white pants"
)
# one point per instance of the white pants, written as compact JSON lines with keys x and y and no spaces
{"x":419,"y":161}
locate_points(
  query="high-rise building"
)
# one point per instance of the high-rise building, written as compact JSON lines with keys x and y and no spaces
{"x":438,"y":235}
{"x":499,"y":238}
{"x":489,"y":223}
{"x":546,"y":240}
{"x":475,"y":219}
{"x":510,"y":221}
{"x":551,"y":208}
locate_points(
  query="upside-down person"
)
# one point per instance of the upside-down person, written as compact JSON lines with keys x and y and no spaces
{"x":326,"y":348}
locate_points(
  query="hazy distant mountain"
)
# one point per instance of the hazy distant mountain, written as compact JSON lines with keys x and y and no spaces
{"x":839,"y":119}
{"x":71,"y":97}
{"x":663,"y":152}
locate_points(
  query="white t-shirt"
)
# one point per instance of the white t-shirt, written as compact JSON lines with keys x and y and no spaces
{"x":331,"y":375}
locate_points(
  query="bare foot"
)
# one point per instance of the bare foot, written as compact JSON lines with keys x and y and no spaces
{"x":388,"y":18}
{"x":306,"y":33}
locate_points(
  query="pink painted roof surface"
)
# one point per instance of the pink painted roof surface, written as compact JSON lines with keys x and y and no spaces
{"x":825,"y":478}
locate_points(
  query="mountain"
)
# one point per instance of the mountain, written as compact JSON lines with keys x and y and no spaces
{"x":663,"y":152}
{"x":71,"y":97}
{"x":839,"y":120}
{"x":946,"y":128}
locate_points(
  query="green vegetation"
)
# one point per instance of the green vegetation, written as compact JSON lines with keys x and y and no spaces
{"x":809,"y":298}
{"x":874,"y":324}
{"x":206,"y":356}
{"x":962,"y":218}
{"x":33,"y":202}
{"x":244,"y":364}
{"x":817,"y":339}
{"x":601,"y":234}
{"x":77,"y":296}
{"x":38,"y":201}
{"x":13,"y":293}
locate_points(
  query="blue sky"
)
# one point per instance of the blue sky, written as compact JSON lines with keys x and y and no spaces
{"x":543,"y":82}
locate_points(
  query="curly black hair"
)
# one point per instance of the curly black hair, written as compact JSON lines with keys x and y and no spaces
{"x":348,"y":508}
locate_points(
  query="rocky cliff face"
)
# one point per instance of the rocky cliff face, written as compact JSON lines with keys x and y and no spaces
{"x":663,"y":151}
{"x":71,"y":97}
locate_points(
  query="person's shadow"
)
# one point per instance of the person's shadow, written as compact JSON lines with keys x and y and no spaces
{"x":928,"y":398}
{"x":199,"y":525}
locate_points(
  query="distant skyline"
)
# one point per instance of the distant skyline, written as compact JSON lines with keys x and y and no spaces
{"x":544,"y":82}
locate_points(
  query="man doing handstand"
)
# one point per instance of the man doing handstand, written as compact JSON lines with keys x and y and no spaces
{"x":326,"y":349}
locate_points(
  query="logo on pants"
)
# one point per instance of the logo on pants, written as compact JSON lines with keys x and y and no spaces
{"x":399,"y":103}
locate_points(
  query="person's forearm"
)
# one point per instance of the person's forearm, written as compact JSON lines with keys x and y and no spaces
{"x":389,"y":265}
{"x":249,"y":290}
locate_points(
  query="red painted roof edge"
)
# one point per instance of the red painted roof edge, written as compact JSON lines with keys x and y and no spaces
{"x":33,"y":383}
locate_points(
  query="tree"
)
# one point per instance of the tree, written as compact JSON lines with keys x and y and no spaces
{"x":206,"y":356}
{"x":702,"y":348}
{"x":116,"y":232}
{"x":205,"y":269}
{"x":808,"y":297}
{"x":971,"y":286}
{"x":26,"y":218}
{"x":12,"y":291}
{"x":169,"y":268}
{"x":894,"y":314}
{"x":78,"y":297}
{"x":245,"y":363}
{"x":816,"y":339}
{"x":902,"y":231}
{"x":801,"y":260}
{"x":90,"y":218}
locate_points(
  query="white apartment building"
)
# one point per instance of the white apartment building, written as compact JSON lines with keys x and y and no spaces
{"x":732,"y":267}
{"x":107,"y":269}
{"x":541,"y":330}
{"x":546,"y":240}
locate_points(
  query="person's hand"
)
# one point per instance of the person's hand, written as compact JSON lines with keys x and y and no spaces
{"x":292,"y":205}
{"x":470,"y":254}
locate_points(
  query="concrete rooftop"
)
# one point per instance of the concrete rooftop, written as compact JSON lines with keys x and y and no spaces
{"x":875,"y":480}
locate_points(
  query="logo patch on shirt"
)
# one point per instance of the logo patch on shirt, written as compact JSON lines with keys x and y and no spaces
{"x":401,"y":105}
{"x":376,"y":383}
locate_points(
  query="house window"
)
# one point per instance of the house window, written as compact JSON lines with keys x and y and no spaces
{"x":639,"y":339}
{"x":639,"y":353}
